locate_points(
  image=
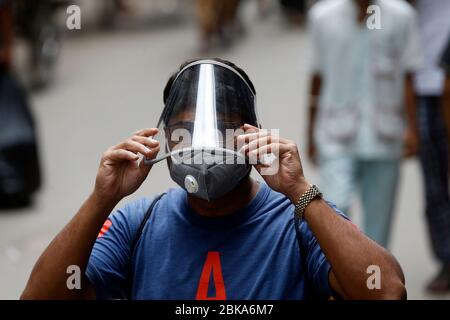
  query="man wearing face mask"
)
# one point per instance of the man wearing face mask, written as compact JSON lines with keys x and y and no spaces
{"x":222,"y":235}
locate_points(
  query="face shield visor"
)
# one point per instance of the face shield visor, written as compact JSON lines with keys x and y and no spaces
{"x":208,"y":104}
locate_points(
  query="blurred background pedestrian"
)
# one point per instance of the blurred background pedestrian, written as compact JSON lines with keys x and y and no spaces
{"x":19,"y":164}
{"x":445,"y":64}
{"x":294,"y":10}
{"x":434,"y":26}
{"x":362,"y":111}
{"x":35,"y":21}
{"x":218,"y":21}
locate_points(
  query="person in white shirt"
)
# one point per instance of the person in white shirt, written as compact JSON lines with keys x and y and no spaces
{"x":362,"y":113}
{"x":434,"y":26}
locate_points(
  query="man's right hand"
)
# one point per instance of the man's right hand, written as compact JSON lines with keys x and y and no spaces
{"x":120,"y":172}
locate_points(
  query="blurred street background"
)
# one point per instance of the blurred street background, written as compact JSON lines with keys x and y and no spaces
{"x":108,"y":83}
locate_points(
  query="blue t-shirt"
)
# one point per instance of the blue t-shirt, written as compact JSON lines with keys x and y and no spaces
{"x":251,"y":254}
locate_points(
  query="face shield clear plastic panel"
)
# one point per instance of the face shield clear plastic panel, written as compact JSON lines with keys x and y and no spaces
{"x":206,"y":109}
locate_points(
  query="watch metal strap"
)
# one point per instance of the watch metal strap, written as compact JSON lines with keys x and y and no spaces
{"x":305,"y":199}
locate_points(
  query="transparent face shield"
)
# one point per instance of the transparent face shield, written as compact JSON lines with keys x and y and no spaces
{"x":207,"y":107}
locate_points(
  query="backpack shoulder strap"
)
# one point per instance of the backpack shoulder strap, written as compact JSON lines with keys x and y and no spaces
{"x":147,"y":215}
{"x":136,"y":238}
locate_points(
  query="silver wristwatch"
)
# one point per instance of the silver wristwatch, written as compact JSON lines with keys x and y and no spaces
{"x":305,"y":199}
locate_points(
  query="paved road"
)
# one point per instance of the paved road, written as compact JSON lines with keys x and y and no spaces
{"x":110,"y":85}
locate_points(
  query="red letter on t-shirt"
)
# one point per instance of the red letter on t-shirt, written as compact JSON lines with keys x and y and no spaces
{"x":212,"y":264}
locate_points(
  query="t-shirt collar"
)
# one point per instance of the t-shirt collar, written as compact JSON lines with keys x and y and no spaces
{"x":234,"y":219}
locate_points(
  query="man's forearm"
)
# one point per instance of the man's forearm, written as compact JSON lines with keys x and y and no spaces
{"x":72,"y":246}
{"x":316,"y":84}
{"x":410,"y":103}
{"x":350,"y":253}
{"x":446,"y":104}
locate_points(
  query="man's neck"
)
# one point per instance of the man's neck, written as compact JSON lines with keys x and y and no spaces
{"x":231,"y":202}
{"x":362,"y":6}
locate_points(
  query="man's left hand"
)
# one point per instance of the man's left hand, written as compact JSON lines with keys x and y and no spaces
{"x":285,"y":173}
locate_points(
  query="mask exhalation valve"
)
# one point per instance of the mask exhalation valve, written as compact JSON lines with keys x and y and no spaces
{"x":191,"y":184}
